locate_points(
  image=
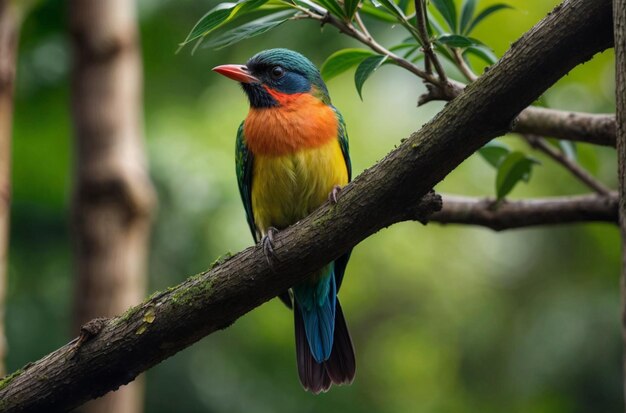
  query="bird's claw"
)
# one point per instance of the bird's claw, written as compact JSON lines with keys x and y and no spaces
{"x":268,"y":246}
{"x":332,"y":196}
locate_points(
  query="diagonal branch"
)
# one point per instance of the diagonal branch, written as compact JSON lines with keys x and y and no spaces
{"x":382,"y":195}
{"x":421,"y":17}
{"x":578,"y":171}
{"x":462,"y":66}
{"x":526,"y":213}
{"x":598,"y":129}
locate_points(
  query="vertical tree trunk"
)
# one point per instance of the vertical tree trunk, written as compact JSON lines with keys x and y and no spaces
{"x":619,"y":21}
{"x":10,"y":21}
{"x":113,"y":197}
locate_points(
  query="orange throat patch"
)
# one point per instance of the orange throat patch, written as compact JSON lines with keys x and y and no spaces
{"x":300,"y":121}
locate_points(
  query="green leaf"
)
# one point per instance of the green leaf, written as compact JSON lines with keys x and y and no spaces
{"x":466,"y":14}
{"x":486,"y":13}
{"x":440,"y":49}
{"x":456,"y":40}
{"x":365,"y":69}
{"x":220,"y":15}
{"x":408,"y":44}
{"x":350,"y":6}
{"x":332,"y":6}
{"x":393,"y":8}
{"x":494,"y":152}
{"x":246,"y":6}
{"x":483,"y":52}
{"x":213,"y":19}
{"x":343,"y":60}
{"x":516,"y":167}
{"x":418,"y":57}
{"x":248,"y":30}
{"x":448,"y":11}
{"x":404,"y":5}
{"x":410,"y":52}
{"x":434,"y":26}
{"x":401,"y":46}
{"x":378,"y":14}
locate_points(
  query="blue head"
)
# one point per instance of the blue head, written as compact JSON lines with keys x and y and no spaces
{"x":278,"y":70}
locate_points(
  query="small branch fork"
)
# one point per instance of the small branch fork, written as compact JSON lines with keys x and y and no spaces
{"x":379,"y":197}
{"x":318,"y":13}
{"x":463,"y":66}
{"x":598,"y":129}
{"x":440,"y":88}
{"x":421,"y":16}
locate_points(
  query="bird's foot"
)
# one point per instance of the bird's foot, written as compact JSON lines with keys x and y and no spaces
{"x":268,"y":246}
{"x":332,"y":196}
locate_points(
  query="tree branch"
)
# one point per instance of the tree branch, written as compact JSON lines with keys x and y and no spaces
{"x":619,"y":13}
{"x":526,"y":213}
{"x":320,"y":14}
{"x":113,"y":198}
{"x":382,"y":195}
{"x":421,"y":16}
{"x":578,"y":171}
{"x":463,"y":67}
{"x":594,"y":128}
{"x":598,"y":129}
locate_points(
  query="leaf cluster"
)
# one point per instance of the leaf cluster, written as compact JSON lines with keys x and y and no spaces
{"x":449,"y":26}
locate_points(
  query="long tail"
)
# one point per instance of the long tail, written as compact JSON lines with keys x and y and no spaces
{"x":341,"y":366}
{"x":324,"y":349}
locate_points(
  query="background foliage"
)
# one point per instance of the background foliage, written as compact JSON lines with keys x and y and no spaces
{"x":444,"y":319}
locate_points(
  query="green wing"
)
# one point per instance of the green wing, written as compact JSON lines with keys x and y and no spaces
{"x":342,"y":135}
{"x":243,"y":164}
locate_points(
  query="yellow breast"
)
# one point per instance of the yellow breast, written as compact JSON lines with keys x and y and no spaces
{"x":287,"y":188}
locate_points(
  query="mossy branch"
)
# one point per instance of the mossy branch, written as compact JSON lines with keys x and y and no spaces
{"x":385,"y":194}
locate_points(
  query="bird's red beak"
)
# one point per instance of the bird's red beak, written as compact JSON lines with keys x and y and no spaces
{"x":239,"y":73}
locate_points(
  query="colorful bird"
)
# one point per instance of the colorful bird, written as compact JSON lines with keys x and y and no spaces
{"x":292,"y":156}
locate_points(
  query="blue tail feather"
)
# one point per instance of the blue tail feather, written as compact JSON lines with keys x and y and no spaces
{"x":317,"y":304}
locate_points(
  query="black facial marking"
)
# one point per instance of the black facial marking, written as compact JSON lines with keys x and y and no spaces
{"x":258,"y":96}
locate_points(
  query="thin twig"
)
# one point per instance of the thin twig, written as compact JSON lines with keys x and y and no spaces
{"x":526,"y":213}
{"x":463,"y":67}
{"x":579,"y":172}
{"x":321,"y":15}
{"x":362,"y":26}
{"x":595,"y":129}
{"x":180,"y":316}
{"x":420,"y":17}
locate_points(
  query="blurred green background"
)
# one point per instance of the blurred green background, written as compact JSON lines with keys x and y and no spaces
{"x":444,"y":319}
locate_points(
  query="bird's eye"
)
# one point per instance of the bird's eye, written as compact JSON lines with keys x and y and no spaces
{"x":277,"y":72}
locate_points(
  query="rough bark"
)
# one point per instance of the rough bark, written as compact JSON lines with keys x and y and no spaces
{"x":598,"y":129}
{"x":113,"y":196}
{"x":169,"y":321}
{"x":619,"y":15}
{"x":10,"y":21}
{"x":594,"y":128}
{"x":526,"y":213}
